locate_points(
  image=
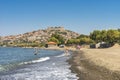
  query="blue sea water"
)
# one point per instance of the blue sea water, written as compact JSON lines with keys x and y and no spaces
{"x":22,"y":64}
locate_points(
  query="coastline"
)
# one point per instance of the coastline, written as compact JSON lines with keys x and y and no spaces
{"x":94,"y":64}
{"x":49,"y":64}
{"x":92,"y":68}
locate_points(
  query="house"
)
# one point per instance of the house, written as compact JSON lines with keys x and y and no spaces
{"x":51,"y":44}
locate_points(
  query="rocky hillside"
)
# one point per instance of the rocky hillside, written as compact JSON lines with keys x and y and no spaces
{"x":39,"y":35}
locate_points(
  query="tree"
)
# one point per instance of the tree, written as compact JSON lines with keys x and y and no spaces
{"x":95,"y":35}
{"x":86,"y":41}
{"x":54,"y":40}
{"x":73,"y":41}
{"x":70,"y":41}
{"x":103,"y":35}
{"x":113,"y":36}
{"x":82,"y":36}
{"x":119,"y":30}
{"x":59,"y":38}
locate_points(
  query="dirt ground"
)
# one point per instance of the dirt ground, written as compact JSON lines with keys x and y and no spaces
{"x":96,"y":64}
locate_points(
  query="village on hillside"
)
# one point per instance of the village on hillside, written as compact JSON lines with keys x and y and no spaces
{"x":59,"y":36}
{"x":31,"y":39}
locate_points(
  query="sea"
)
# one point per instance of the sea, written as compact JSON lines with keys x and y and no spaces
{"x":23,"y":64}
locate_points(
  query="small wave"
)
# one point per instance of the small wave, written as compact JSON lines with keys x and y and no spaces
{"x":7,"y":67}
{"x":11,"y":66}
{"x":36,"y":61}
{"x":63,"y":55}
{"x":1,"y":68}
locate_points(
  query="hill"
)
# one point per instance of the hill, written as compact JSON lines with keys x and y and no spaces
{"x":39,"y":36}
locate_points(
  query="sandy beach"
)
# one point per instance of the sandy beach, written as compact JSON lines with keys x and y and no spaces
{"x":96,"y":64}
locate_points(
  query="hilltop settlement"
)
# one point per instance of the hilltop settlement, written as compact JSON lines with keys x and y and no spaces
{"x":38,"y":38}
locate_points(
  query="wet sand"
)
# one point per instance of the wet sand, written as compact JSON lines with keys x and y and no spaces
{"x":96,"y":64}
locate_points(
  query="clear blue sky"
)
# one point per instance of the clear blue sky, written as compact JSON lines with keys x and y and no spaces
{"x":82,"y":16}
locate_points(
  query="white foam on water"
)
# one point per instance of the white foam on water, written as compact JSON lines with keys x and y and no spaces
{"x":40,"y":60}
{"x":56,"y":73}
{"x":54,"y":69}
{"x":36,"y":61}
{"x":62,"y":55}
{"x":9,"y":66}
{"x":1,"y":68}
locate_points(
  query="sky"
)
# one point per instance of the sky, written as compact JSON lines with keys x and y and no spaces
{"x":82,"y":16}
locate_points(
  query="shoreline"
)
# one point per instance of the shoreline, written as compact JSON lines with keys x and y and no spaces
{"x":88,"y":70}
{"x":88,"y":64}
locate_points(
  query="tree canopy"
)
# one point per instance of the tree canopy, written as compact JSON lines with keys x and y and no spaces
{"x":57,"y":38}
{"x":110,"y":36}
